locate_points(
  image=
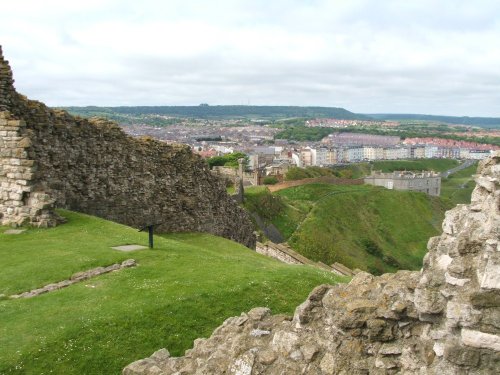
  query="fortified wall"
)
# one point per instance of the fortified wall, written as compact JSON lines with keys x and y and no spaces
{"x":50,"y":159}
{"x":443,"y":320}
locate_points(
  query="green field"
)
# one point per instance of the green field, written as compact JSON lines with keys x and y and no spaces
{"x":437,"y":165}
{"x":361,"y":226}
{"x":184,"y":288}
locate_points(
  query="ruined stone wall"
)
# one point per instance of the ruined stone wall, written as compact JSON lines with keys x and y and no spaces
{"x":271,"y":250}
{"x":444,"y":320}
{"x":51,"y":159}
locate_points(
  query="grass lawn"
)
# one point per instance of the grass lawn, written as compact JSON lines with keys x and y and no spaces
{"x":437,"y":165}
{"x":184,"y":288}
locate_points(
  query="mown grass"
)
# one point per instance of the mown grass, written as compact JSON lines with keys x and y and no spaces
{"x":457,"y":188}
{"x":181,"y":290}
{"x":437,"y":165}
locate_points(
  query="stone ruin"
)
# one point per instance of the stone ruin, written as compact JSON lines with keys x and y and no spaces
{"x":50,"y":159}
{"x":443,"y":320}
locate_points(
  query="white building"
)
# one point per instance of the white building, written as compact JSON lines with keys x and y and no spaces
{"x":479,"y":154}
{"x":431,"y":151}
{"x":320,"y":156}
{"x":373,"y":153}
{"x":355,"y":154}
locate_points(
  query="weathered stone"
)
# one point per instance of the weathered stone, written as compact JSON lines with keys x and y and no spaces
{"x":491,"y":276}
{"x":479,"y":339}
{"x":327,"y":364}
{"x":461,"y":356}
{"x":284,"y":342}
{"x":266,"y":357}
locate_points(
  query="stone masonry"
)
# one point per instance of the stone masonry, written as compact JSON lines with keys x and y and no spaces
{"x":50,"y":159}
{"x":443,"y":320}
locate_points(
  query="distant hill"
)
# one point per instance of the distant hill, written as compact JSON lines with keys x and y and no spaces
{"x":485,"y":122}
{"x":222,"y":111}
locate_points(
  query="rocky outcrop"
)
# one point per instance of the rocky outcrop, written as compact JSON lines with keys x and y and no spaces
{"x":443,"y":320}
{"x":50,"y":159}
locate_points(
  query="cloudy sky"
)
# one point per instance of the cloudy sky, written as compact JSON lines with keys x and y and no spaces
{"x":368,"y":56}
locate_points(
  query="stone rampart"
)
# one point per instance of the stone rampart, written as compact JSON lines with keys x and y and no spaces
{"x":444,"y":320}
{"x":50,"y":159}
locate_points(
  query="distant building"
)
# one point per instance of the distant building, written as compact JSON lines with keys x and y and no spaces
{"x":355,"y":154}
{"x":306,"y":157}
{"x":479,"y":154}
{"x":426,"y":181}
{"x":353,"y":139}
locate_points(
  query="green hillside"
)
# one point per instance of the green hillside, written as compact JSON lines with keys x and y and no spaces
{"x":364,"y":227}
{"x":216,"y":111}
{"x":457,"y":188}
{"x":184,"y":288}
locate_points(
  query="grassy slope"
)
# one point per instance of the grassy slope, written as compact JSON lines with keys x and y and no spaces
{"x":181,"y":290}
{"x":458,"y":187}
{"x":361,"y":226}
{"x":344,"y":226}
{"x":344,"y":223}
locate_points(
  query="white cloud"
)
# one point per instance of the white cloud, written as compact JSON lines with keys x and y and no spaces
{"x":422,"y":56}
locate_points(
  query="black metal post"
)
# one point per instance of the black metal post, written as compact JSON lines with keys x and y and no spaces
{"x":150,"y":229}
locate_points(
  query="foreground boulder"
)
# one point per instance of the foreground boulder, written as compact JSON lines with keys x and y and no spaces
{"x":442,"y":320}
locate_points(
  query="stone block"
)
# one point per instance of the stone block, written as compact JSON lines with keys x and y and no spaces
{"x":477,"y":339}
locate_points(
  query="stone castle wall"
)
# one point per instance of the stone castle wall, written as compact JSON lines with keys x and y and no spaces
{"x":444,"y":320}
{"x":50,"y":159}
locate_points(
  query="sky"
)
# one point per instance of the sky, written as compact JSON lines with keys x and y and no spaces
{"x":368,"y":56}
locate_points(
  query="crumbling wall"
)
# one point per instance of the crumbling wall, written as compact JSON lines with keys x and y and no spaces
{"x":50,"y":159}
{"x":444,"y":320}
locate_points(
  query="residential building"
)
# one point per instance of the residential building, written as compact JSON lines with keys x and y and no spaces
{"x":427,"y":182}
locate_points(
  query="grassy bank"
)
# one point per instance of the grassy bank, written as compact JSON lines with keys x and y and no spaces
{"x":457,"y":188}
{"x":181,"y":290}
{"x":362,"y":226}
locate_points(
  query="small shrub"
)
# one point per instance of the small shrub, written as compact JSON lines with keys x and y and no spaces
{"x":371,"y":247}
{"x":270,"y":180}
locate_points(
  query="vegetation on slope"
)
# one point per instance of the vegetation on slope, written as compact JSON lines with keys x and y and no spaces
{"x":457,"y":188}
{"x":362,"y":226}
{"x":181,"y":290}
{"x":372,"y":229}
{"x":228,"y":160}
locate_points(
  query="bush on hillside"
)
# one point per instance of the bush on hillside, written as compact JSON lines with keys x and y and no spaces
{"x":297,"y":173}
{"x":228,"y":160}
{"x":270,"y":180}
{"x":262,"y":202}
{"x":371,"y":247}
